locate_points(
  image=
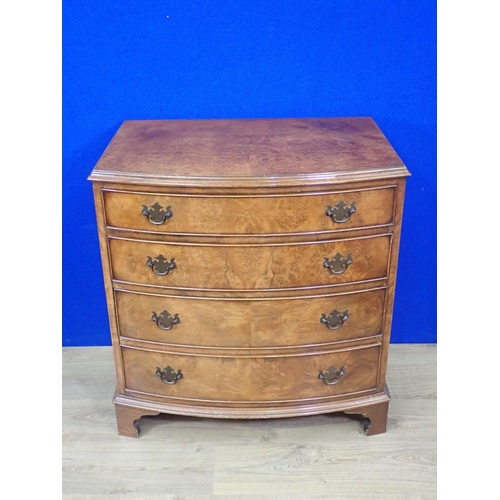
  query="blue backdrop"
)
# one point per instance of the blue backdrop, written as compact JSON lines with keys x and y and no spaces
{"x":141,"y":59}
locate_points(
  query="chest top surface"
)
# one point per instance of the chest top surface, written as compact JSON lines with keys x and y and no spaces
{"x":248,"y":152}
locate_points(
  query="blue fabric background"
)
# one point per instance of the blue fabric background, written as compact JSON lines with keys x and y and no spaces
{"x":218,"y":59}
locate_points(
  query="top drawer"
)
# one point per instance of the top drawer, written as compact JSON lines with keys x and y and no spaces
{"x":247,"y":215}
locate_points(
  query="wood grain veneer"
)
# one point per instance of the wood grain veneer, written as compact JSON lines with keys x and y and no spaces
{"x":245,"y":267}
{"x":260,"y":322}
{"x":250,"y":215}
{"x":248,"y":153}
{"x":279,"y":322}
{"x":251,"y":379}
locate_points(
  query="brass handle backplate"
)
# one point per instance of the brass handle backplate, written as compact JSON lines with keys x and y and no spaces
{"x":165,"y":321}
{"x":338,"y":264}
{"x":156,"y":214}
{"x":332,"y":376}
{"x":341,"y":212}
{"x":168,"y":376}
{"x":160,"y":265}
{"x":334,"y":320}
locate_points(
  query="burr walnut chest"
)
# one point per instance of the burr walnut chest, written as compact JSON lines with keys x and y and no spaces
{"x":250,"y":266}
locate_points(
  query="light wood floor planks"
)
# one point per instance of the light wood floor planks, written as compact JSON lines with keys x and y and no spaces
{"x":307,"y":458}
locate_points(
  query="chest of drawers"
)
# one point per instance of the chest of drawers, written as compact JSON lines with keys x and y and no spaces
{"x":250,"y":266}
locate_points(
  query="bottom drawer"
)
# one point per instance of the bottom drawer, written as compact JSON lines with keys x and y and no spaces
{"x":255,"y":379}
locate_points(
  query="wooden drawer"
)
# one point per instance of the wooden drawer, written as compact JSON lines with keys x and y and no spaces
{"x":249,"y":267}
{"x":250,"y":323}
{"x":268,"y":379}
{"x":246,"y":215}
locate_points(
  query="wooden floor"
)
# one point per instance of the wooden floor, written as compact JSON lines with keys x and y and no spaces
{"x":306,"y":458}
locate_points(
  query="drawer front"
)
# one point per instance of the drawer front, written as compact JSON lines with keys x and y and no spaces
{"x":249,"y":267}
{"x":250,"y":323}
{"x":249,"y":215}
{"x":251,"y":379}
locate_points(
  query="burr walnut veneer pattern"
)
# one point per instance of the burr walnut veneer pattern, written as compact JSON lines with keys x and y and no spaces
{"x":250,"y":266}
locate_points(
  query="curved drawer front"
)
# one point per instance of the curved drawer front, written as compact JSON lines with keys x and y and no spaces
{"x":249,"y":267}
{"x":252,"y":379}
{"x":250,"y":323}
{"x":249,"y":215}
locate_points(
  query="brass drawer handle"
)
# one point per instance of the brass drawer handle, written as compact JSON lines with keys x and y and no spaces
{"x":156,"y":215}
{"x":338,"y":264}
{"x":165,"y":321}
{"x":342,"y":212}
{"x":160,"y":265}
{"x":335,"y":320}
{"x":332,"y":376}
{"x":168,"y":376}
